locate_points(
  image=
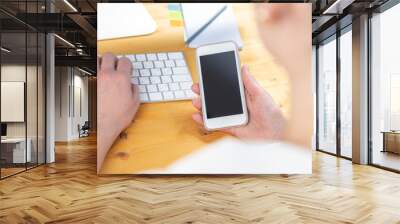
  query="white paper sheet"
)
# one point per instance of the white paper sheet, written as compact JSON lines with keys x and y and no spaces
{"x":223,"y":28}
{"x":232,"y":156}
{"x":117,"y":20}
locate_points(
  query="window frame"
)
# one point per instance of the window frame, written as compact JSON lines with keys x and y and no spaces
{"x":334,"y":37}
{"x":378,"y":10}
{"x":31,"y":30}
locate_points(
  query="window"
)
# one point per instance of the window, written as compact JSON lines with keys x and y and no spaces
{"x":333,"y":137}
{"x":394,"y":101}
{"x":327,"y":96}
{"x":22,"y":77}
{"x":385,"y":89}
{"x":346,"y":92}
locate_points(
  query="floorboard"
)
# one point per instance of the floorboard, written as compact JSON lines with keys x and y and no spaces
{"x":69,"y":191}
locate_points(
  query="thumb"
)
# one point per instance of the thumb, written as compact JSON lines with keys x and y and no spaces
{"x":250,"y":84}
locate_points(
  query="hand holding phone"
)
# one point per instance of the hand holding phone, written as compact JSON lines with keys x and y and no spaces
{"x":221,"y":86}
{"x":265,"y":118}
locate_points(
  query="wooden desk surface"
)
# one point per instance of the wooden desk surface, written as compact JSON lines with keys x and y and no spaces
{"x":165,"y":132}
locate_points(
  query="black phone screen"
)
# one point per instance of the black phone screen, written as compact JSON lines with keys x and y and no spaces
{"x":221,"y":84}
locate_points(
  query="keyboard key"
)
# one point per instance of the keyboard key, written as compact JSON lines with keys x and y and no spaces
{"x":186,"y":85}
{"x":169,"y":63}
{"x":145,"y":72}
{"x":135,"y":80}
{"x":180,"y":63}
{"x":179,"y":94}
{"x":131,"y":57}
{"x":155,"y":71}
{"x":180,"y":70}
{"x":173,"y":86}
{"x":148,"y":64}
{"x":151,"y":88}
{"x":144,"y":80}
{"x":166,"y":79}
{"x":168,"y":95}
{"x":151,"y":57}
{"x":143,"y":97}
{"x":162,"y":56}
{"x":140,"y":57}
{"x":163,"y":87}
{"x":159,"y":64}
{"x":135,"y":73}
{"x":189,"y":94}
{"x":155,"y":79}
{"x":161,"y":76}
{"x":181,"y":78}
{"x":155,"y":96}
{"x":137,"y":65}
{"x":142,"y":88}
{"x":166,"y":71}
{"x":175,"y":55}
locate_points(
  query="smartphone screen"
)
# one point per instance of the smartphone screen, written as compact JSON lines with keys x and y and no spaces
{"x":221,"y":84}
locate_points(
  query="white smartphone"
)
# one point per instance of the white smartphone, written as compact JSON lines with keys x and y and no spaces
{"x":221,"y":86}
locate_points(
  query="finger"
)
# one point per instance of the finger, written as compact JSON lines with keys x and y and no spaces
{"x":108,"y":62}
{"x":250,"y":84}
{"x":124,"y":65}
{"x":197,"y":103}
{"x":198,"y":118}
{"x":196,"y":88}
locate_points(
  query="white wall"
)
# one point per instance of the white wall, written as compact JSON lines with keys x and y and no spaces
{"x":14,"y":73}
{"x":81,"y":84}
{"x":10,"y":73}
{"x":13,"y":101}
{"x":33,"y":127}
{"x":70,"y":83}
{"x":62,"y":81}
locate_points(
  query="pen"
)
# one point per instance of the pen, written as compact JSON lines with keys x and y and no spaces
{"x":190,"y":39}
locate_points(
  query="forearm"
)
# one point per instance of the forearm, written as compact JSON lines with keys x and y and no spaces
{"x":104,"y":143}
{"x":107,"y":134}
{"x":299,"y":127}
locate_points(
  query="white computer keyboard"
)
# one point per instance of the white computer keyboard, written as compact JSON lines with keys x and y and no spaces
{"x":161,"y":76}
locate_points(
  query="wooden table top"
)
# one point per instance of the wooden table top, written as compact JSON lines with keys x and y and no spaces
{"x":164,"y":132}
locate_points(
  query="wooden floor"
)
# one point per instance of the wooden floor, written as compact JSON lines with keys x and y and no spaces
{"x":386,"y":159}
{"x":70,"y":192}
{"x":5,"y":172}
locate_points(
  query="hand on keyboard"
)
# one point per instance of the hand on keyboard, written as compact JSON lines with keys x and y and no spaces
{"x":118,"y":100}
{"x":161,"y":76}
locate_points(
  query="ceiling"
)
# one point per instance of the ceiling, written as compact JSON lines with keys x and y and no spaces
{"x":75,"y":21}
{"x":329,"y":16}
